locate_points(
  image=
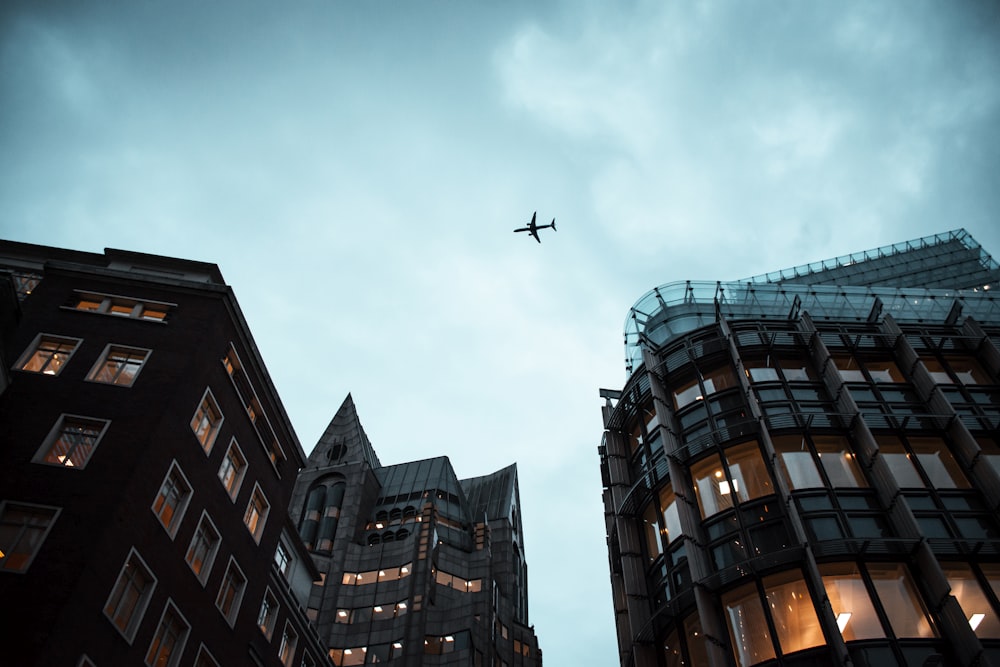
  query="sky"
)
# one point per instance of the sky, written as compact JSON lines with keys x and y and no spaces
{"x":356,"y":170}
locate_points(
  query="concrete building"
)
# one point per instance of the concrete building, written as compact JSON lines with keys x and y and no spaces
{"x":146,"y":464}
{"x":420,"y":567}
{"x":802,"y":468}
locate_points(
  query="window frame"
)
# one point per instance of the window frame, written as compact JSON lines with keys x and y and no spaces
{"x":33,"y":349}
{"x":54,"y":436}
{"x":237,"y":599}
{"x":214,"y":428}
{"x":4,"y":505}
{"x":102,"y":360}
{"x":209,"y":559}
{"x":177,"y":649}
{"x":113,"y":305}
{"x":234,"y":491}
{"x":180,"y":509}
{"x":288,"y":659}
{"x":204,"y":654}
{"x":142,"y":604}
{"x":267,"y":615}
{"x":257,"y":530}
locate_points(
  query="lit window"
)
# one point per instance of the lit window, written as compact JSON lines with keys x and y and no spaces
{"x":48,"y":354}
{"x":206,"y":421}
{"x":938,"y":463}
{"x":232,"y":470}
{"x":130,"y":595}
{"x":231,"y":592}
{"x":793,"y":612}
{"x":23,"y":529}
{"x":899,"y":460}
{"x":205,"y":658}
{"x":119,"y":365}
{"x":256,"y":513}
{"x":118,"y":306}
{"x":72,"y":441}
{"x":747,"y":624}
{"x":172,"y":499}
{"x":268,"y":614}
{"x":848,"y":367}
{"x":747,"y":478}
{"x":899,"y":597}
{"x":852,"y":607}
{"x":978,"y":611}
{"x":795,"y":461}
{"x":286,"y":651}
{"x":838,"y":461}
{"x":201,"y":551}
{"x":884,"y":371}
{"x":168,"y":642}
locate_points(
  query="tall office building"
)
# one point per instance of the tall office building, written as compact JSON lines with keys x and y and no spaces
{"x":802,"y":468}
{"x":419,"y":567}
{"x":146,"y":464}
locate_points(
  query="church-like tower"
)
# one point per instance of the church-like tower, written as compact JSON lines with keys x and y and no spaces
{"x":419,"y":567}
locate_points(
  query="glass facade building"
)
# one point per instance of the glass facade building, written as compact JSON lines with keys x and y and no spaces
{"x":802,"y":467}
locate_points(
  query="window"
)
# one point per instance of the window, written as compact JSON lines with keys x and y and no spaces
{"x":48,"y":354}
{"x":371,"y":576}
{"x":23,"y":529}
{"x":286,"y":651}
{"x":201,"y":552}
{"x":130,"y":595}
{"x":93,"y":302}
{"x":268,"y":614}
{"x":72,"y":441}
{"x":232,"y":470}
{"x":966,"y":589}
{"x":899,"y":597}
{"x":929,"y":455}
{"x":792,"y":610}
{"x":747,"y":624}
{"x":168,"y":642}
{"x":256,"y":513}
{"x":204,"y":658}
{"x":283,"y":559}
{"x":118,"y":365}
{"x":744,"y":478}
{"x":172,"y":499}
{"x":206,"y":421}
{"x":231,"y":592}
{"x":798,"y":464}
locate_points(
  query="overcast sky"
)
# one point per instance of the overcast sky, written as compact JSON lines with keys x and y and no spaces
{"x":356,"y":170}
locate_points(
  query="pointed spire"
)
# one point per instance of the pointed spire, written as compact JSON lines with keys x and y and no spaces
{"x":344,"y":440}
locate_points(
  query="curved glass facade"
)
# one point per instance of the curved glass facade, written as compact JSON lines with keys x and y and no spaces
{"x":802,"y":474}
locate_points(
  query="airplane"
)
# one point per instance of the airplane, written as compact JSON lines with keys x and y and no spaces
{"x":532,"y":228}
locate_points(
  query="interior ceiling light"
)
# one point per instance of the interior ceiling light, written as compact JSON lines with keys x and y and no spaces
{"x":842,"y":620}
{"x":975,"y":620}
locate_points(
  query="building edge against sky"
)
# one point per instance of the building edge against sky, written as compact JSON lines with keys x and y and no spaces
{"x":802,"y":467}
{"x":152,"y":485}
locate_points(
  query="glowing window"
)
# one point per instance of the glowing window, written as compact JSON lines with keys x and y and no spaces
{"x":793,"y":612}
{"x":747,"y":624}
{"x":23,"y":529}
{"x":900,"y":599}
{"x":48,"y":355}
{"x":119,"y":365}
{"x":256,"y":513}
{"x":72,"y":441}
{"x":978,"y":611}
{"x":852,"y":607}
{"x":172,"y":499}
{"x":168,"y":642}
{"x":206,"y":421}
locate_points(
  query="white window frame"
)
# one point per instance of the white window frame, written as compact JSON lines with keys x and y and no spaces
{"x":215,"y":428}
{"x":32,"y":349}
{"x":238,"y":484}
{"x":181,"y":507}
{"x":238,"y":600}
{"x":204,"y":654}
{"x":209,"y":560}
{"x":289,"y":659}
{"x":107,"y":302}
{"x":272,"y":617}
{"x":178,"y":650}
{"x":99,"y":364}
{"x":258,"y":530}
{"x":4,"y":504}
{"x":135,"y":619}
{"x":289,"y":562}
{"x":56,"y":431}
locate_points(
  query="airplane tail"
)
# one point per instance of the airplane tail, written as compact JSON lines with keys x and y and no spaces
{"x":553,"y":224}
